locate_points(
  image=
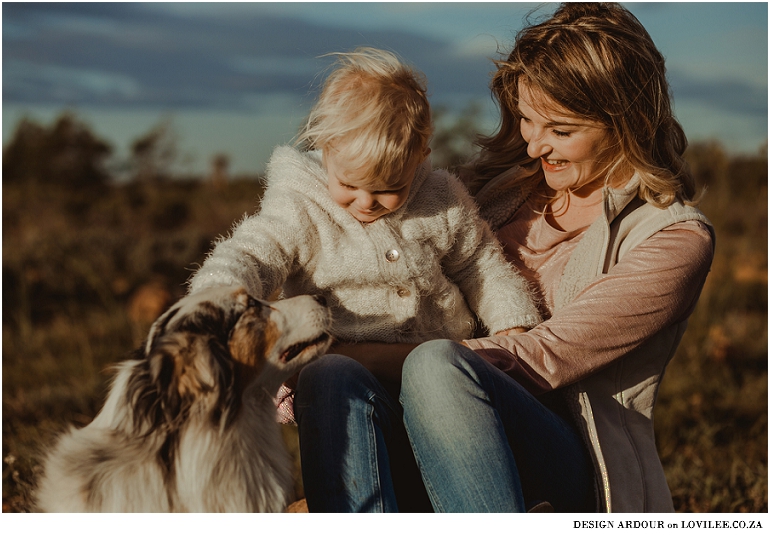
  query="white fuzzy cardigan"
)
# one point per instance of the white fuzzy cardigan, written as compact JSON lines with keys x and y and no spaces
{"x":423,"y":272}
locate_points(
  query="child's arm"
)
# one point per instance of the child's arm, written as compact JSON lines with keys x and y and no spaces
{"x":493,"y":288}
{"x":262,"y":249}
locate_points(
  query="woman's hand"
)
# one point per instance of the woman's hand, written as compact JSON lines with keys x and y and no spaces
{"x":509,"y":332}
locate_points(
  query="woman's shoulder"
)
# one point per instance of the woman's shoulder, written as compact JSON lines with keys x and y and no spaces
{"x":441,"y":193}
{"x":442,"y":181}
{"x":641,"y":219}
{"x":499,"y":197}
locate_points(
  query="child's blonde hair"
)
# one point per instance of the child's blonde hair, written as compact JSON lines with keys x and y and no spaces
{"x":375,"y":110}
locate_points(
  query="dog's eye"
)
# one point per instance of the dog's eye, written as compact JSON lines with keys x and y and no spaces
{"x":252,"y":303}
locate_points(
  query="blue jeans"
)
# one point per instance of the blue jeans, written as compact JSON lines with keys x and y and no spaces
{"x":482,"y":442}
{"x":355,"y":455}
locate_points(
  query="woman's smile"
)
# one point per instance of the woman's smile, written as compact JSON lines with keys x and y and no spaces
{"x":554,"y":166}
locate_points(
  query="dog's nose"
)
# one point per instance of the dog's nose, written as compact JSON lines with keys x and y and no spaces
{"x":320,"y":299}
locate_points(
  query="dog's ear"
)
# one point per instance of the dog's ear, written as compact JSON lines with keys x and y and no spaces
{"x":158,"y":328}
{"x":228,"y":380}
{"x":164,"y":386}
{"x":183,"y":370}
{"x":180,"y":369}
{"x":249,"y":343}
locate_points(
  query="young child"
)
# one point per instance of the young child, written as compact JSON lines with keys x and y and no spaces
{"x":398,"y":250}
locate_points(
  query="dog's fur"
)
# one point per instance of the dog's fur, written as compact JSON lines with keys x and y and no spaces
{"x":189,"y":424}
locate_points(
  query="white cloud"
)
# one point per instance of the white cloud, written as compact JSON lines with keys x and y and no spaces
{"x":67,"y":83}
{"x":267,"y":65}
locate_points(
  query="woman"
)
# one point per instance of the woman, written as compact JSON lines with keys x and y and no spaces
{"x":587,"y":188}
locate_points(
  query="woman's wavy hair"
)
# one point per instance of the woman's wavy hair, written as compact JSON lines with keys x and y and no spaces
{"x":595,"y":61}
{"x":375,"y":109}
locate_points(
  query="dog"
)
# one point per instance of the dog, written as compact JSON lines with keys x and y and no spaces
{"x":189,"y":424}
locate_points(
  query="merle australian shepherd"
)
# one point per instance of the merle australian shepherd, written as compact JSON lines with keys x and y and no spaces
{"x":189,"y":423}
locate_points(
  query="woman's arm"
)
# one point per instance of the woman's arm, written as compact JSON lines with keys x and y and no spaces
{"x":653,"y":286}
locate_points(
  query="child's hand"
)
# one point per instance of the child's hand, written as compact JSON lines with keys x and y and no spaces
{"x":509,"y":332}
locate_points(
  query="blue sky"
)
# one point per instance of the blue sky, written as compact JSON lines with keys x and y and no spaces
{"x":239,"y":77}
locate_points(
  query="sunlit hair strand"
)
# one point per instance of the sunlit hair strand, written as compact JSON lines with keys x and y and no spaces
{"x":373,"y":112}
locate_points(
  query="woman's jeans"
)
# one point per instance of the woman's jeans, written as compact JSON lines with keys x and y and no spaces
{"x":482,"y":442}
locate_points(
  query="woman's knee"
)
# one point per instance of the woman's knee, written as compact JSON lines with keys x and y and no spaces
{"x":432,"y":366}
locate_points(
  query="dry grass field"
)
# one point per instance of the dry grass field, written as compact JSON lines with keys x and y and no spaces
{"x":88,"y":264}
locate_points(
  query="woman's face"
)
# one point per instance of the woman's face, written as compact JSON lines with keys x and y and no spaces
{"x":573,"y":151}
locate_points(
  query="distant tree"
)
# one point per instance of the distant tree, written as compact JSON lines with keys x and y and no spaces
{"x":454,"y":137}
{"x":154,"y":153}
{"x":708,"y":162}
{"x":66,"y":153}
{"x":219,"y":165}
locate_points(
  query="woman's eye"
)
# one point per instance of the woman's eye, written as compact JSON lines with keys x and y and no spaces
{"x":561,"y":133}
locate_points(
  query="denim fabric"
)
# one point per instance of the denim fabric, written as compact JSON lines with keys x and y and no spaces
{"x":355,"y":455}
{"x":482,"y":442}
{"x":485,"y":444}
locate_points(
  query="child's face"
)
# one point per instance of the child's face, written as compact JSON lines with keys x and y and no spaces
{"x":367,"y":203}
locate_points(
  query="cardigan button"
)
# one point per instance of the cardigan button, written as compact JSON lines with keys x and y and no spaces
{"x":392,"y":255}
{"x":403,"y":292}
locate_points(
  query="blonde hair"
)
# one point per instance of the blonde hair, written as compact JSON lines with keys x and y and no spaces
{"x":375,"y":109}
{"x":595,"y":61}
